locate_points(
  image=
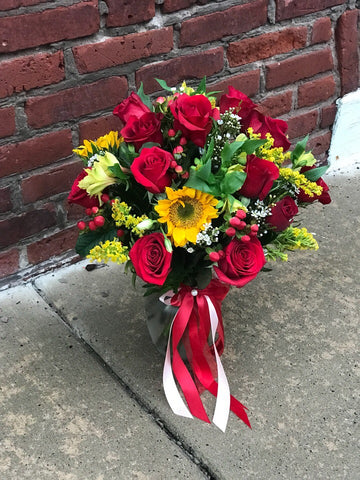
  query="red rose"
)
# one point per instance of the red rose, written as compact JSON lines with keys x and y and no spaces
{"x":80,"y":196}
{"x":141,"y":130}
{"x":131,"y":106}
{"x":263,"y":125}
{"x":260,"y":177}
{"x":323,"y":198}
{"x":238,"y":100}
{"x":282,"y":214}
{"x":151,"y":169}
{"x":241,"y":263}
{"x":150,"y":258}
{"x":193,"y":116}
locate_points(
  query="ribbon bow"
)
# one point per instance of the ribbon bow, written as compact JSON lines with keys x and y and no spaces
{"x":199,"y":315}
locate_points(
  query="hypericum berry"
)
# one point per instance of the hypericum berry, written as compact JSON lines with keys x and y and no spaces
{"x":230,"y":232}
{"x":242,"y":225}
{"x":81,"y":225}
{"x":254,"y":230}
{"x":88,"y":211}
{"x":92,"y":225}
{"x":171,"y":132}
{"x":173,"y":164}
{"x":99,"y":220}
{"x":183,"y":141}
{"x":240,"y":214}
{"x":105,"y":197}
{"x":245,"y":238}
{"x":120,"y":232}
{"x":221,"y":253}
{"x":94,"y":210}
{"x":234,"y":222}
{"x":214,"y":256}
{"x":160,"y":100}
{"x":178,"y":149}
{"x":178,"y":169}
{"x":185,"y":175}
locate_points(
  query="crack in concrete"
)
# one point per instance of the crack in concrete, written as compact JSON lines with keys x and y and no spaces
{"x":183,"y":445}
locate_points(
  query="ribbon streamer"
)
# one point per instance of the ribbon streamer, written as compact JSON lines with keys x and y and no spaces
{"x":198,"y":317}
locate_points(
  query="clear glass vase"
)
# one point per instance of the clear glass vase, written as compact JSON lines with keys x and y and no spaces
{"x":158,"y":321}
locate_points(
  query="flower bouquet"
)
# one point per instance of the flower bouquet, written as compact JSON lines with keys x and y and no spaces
{"x":195,"y":197}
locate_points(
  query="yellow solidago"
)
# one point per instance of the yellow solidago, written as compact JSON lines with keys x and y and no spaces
{"x":300,"y":181}
{"x":110,"y":141}
{"x":113,"y":251}
{"x":123,"y":218}
{"x":268,"y":151}
{"x":301,"y":240}
{"x":185,"y":89}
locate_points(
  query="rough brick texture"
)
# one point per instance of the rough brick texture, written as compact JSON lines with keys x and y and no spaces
{"x":120,"y":50}
{"x":41,"y":28}
{"x":75,"y":102}
{"x":265,"y":46}
{"x":14,"y":229}
{"x":232,"y":21}
{"x":93,"y":129}
{"x":35,"y":152}
{"x":298,"y":8}
{"x":298,"y":67}
{"x":303,"y":124}
{"x":53,"y":245}
{"x":347,"y":40}
{"x":316,"y":91}
{"x":7,"y":122}
{"x":128,"y":12}
{"x":29,"y":72}
{"x":175,"y":70}
{"x":54,"y":181}
{"x":321,"y":31}
{"x":5,"y":199}
{"x":67,"y":64}
{"x":9,"y":262}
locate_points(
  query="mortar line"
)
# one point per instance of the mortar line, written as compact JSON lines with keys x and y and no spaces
{"x":183,"y":445}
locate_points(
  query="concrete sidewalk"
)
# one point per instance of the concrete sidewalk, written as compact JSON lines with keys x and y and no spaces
{"x":80,"y":381}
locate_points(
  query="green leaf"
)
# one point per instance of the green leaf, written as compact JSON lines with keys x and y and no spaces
{"x":149,"y":145}
{"x":87,"y":241}
{"x":204,"y":172}
{"x":314,"y":174}
{"x":245,"y":201}
{"x":202,"y":87}
{"x":299,"y":148}
{"x":232,"y":182}
{"x":250,"y":146}
{"x":229,"y":150}
{"x":117,"y":172}
{"x":197,"y":183}
{"x":163,"y":84}
{"x":145,"y":98}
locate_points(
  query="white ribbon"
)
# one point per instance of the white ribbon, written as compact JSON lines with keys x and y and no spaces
{"x":178,"y":406}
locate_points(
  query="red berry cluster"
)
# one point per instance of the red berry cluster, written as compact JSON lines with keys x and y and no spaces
{"x":237,"y":223}
{"x":97,"y":220}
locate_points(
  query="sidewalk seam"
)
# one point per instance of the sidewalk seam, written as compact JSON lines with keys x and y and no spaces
{"x":184,"y":446}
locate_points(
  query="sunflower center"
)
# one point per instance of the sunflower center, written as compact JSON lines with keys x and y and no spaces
{"x":185,"y":212}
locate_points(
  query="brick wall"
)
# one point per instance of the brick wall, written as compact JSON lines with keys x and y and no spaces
{"x":66,"y":64}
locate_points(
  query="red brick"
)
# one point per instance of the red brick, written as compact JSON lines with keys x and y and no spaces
{"x":265,"y":46}
{"x":73,"y":212}
{"x":346,"y":35}
{"x":54,"y":181}
{"x":7,"y":122}
{"x":328,"y":116}
{"x":214,"y":26}
{"x":128,"y":12}
{"x":316,"y":91}
{"x":29,"y":72}
{"x":177,"y":69}
{"x":5,"y":199}
{"x":35,"y":152}
{"x":247,"y":83}
{"x":93,"y":129}
{"x":321,"y":31}
{"x":298,"y":67}
{"x":174,"y":5}
{"x":298,"y":8}
{"x":277,"y":105}
{"x":40,"y":28}
{"x":14,"y":229}
{"x":75,"y":102}
{"x":301,"y":125}
{"x":9,"y":262}
{"x":320,"y":144}
{"x":11,"y":4}
{"x":53,"y":245}
{"x":120,"y":50}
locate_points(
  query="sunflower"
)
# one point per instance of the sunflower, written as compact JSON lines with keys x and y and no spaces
{"x":186,"y":211}
{"x":110,"y":142}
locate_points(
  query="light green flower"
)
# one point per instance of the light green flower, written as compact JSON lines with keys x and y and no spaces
{"x":99,"y":176}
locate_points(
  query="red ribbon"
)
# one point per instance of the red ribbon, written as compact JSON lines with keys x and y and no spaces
{"x":192,"y":326}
